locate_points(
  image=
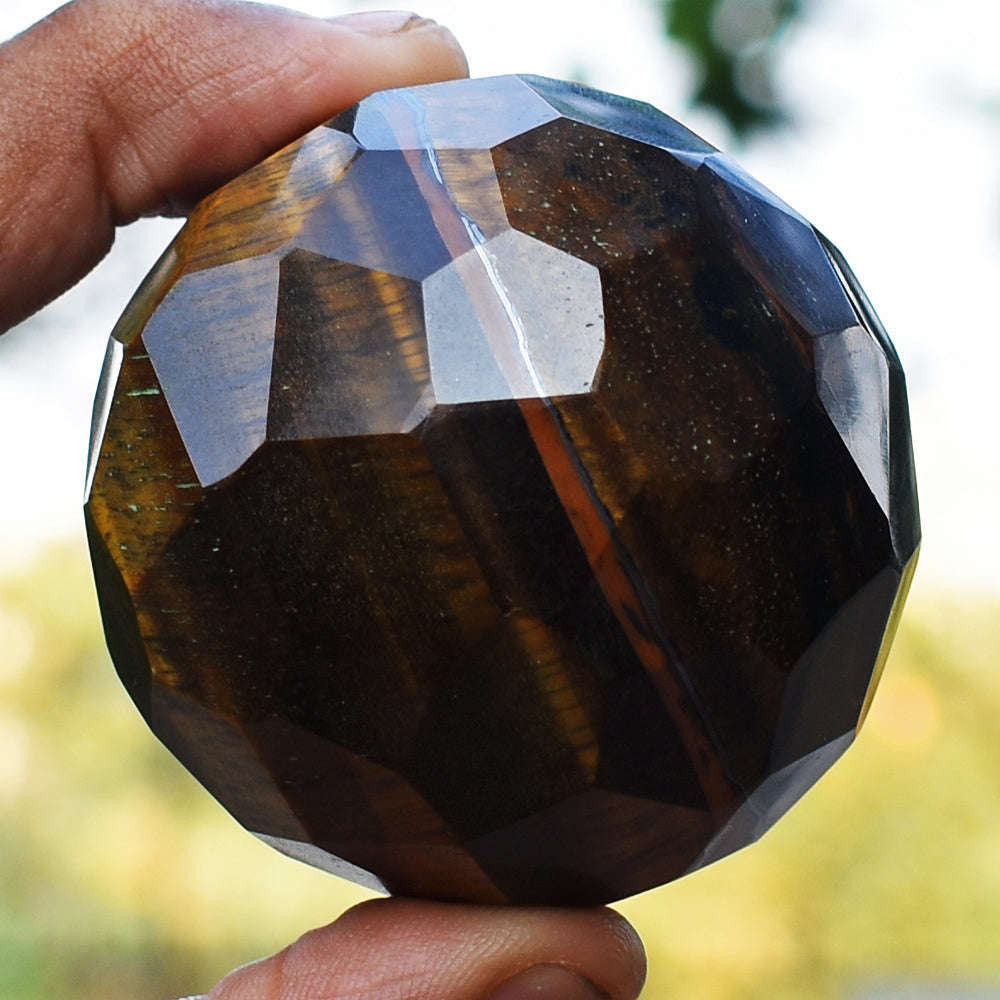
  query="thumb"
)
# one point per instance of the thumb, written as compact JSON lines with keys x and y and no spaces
{"x":399,"y":949}
{"x":111,"y":109}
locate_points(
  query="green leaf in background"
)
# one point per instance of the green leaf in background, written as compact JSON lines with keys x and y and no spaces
{"x":733,"y":43}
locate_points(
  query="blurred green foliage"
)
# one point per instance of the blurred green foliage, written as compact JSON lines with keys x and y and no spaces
{"x":733,"y":44}
{"x":120,"y":878}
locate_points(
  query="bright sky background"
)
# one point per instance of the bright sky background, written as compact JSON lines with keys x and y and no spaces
{"x":895,"y":155}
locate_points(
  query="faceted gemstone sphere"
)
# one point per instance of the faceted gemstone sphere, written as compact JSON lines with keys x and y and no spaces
{"x":498,"y":495}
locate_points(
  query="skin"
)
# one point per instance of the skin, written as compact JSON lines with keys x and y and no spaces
{"x":111,"y":110}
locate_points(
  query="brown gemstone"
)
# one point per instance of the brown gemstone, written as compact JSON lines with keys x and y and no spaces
{"x":498,"y":495}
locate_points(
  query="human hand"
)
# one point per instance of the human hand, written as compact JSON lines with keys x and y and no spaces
{"x":110,"y":110}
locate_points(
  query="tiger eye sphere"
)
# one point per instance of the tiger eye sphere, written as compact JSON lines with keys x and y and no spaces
{"x":498,"y":495}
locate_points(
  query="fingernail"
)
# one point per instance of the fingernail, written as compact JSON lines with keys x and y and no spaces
{"x":384,"y":22}
{"x":548,"y":982}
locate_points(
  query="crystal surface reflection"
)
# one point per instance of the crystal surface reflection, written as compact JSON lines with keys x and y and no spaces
{"x":498,"y":495}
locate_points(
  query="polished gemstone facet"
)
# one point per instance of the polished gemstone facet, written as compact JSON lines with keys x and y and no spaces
{"x":499,"y":495}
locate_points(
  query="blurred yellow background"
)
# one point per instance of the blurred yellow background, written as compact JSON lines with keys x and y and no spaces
{"x":121,"y":878}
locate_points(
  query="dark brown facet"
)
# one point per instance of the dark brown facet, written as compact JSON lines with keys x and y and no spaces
{"x":338,"y":370}
{"x":499,"y":496}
